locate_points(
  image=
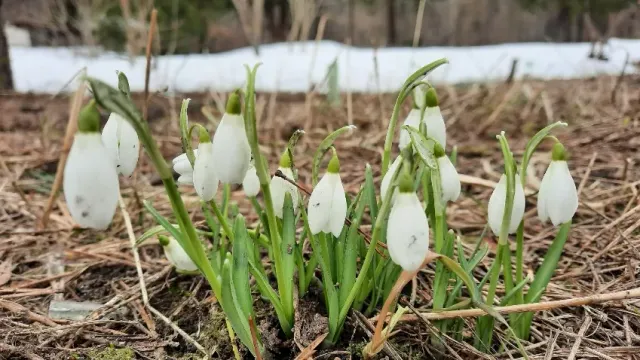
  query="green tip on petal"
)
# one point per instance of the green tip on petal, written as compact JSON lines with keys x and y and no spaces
{"x":558,"y":153}
{"x":334,"y":164}
{"x":438,"y":150}
{"x":432,"y":98}
{"x":123,"y":84}
{"x":89,"y":118}
{"x":233,"y":104}
{"x":164,"y":241}
{"x":405,"y":182}
{"x":285,"y":160}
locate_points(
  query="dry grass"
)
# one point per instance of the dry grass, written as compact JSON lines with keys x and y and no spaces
{"x":602,"y":254}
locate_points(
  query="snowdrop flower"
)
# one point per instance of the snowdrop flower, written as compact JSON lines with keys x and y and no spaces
{"x":121,"y":141}
{"x":182,"y":166}
{"x":449,"y":177}
{"x":433,"y":119}
{"x":497,"y":203}
{"x":251,"y":182}
{"x":327,"y":203}
{"x":176,"y":255}
{"x":558,"y":197}
{"x":386,"y":180}
{"x":419,"y":95}
{"x":204,"y":176}
{"x":279,"y":186}
{"x":90,"y":184}
{"x":231,"y":150}
{"x":408,"y":227}
{"x":413,"y":120}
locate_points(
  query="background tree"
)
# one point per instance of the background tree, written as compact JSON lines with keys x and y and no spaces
{"x":6,"y":82}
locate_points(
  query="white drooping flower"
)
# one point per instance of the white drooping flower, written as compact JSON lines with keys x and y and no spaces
{"x":449,"y":178}
{"x":413,"y":120}
{"x":386,"y":180}
{"x":90,"y":184}
{"x":177,"y":256}
{"x":436,"y":128}
{"x":327,"y":203}
{"x":204,"y":177}
{"x":251,"y":182}
{"x":182,"y":166}
{"x":279,"y":186}
{"x":121,"y":141}
{"x":231,"y":150}
{"x":497,"y":203}
{"x":408,"y":228}
{"x":558,"y":196}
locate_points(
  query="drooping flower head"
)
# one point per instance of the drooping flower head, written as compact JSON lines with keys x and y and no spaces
{"x":279,"y":187}
{"x":231,"y":150}
{"x":432,"y":118}
{"x":408,"y":227}
{"x":558,"y":196}
{"x":449,"y":178}
{"x":177,"y":256}
{"x":327,"y":203}
{"x":205,"y":179}
{"x":120,"y":137}
{"x":182,"y":166}
{"x":121,"y":141}
{"x":497,"y":203}
{"x":90,"y":184}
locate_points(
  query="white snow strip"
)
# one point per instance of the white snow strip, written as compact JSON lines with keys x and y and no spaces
{"x":288,"y":67}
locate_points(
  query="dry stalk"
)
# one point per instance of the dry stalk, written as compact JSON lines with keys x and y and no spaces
{"x":418,"y":28}
{"x":72,"y":125}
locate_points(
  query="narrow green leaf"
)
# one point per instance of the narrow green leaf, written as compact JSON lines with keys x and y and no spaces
{"x":266,"y":290}
{"x":532,"y":145}
{"x":293,"y":140}
{"x":232,"y":308}
{"x":511,"y":294}
{"x":462,"y":274}
{"x":184,"y":131}
{"x":496,"y":315}
{"x":240,"y":267}
{"x":348,"y":274}
{"x":324,"y":146}
{"x":172,"y":230}
{"x":370,"y":192}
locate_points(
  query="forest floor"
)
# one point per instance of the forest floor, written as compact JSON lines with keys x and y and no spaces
{"x":61,"y":262}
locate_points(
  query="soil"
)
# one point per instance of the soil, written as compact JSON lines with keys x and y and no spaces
{"x":603,"y":138}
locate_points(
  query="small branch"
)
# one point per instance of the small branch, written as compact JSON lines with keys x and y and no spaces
{"x":72,"y":125}
{"x":549,"y":305}
{"x":254,"y":338}
{"x":147,"y":70}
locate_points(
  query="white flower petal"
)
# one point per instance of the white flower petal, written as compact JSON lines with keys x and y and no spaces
{"x":279,"y":187}
{"x":497,"y":202}
{"x":408,"y":232}
{"x":413,"y":120}
{"x":183,"y":167}
{"x":90,"y":184}
{"x":231,"y":150}
{"x":183,"y":157}
{"x":386,"y":180}
{"x":178,"y":257}
{"x":185,"y":179}
{"x":251,"y":182}
{"x":543,"y":195}
{"x":320,"y":202}
{"x":436,"y":128}
{"x":121,"y":141}
{"x":449,"y":179}
{"x":204,"y":175}
{"x":562,"y":195}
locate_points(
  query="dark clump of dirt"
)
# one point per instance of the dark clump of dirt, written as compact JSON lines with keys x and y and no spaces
{"x":97,"y":283}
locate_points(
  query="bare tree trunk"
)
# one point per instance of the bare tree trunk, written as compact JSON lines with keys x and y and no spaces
{"x":391,"y":22}
{"x":6,"y":82}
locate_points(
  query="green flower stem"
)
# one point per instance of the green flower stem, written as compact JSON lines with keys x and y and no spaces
{"x":515,"y":320}
{"x":405,"y":91}
{"x":484,"y":331}
{"x":222,"y":219}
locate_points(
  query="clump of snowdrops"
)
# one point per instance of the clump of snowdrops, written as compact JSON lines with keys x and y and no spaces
{"x":357,"y":270}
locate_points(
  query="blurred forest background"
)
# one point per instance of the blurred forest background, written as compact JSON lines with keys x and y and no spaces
{"x":200,"y":26}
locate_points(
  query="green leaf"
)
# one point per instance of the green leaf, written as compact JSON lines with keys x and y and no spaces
{"x":288,"y":257}
{"x":496,"y":315}
{"x":370,"y":192}
{"x":233,"y":309}
{"x":172,"y":230}
{"x":423,"y":146}
{"x":324,"y":146}
{"x":507,"y":298}
{"x":266,"y":290}
{"x":461,"y":273}
{"x":241,"y":268}
{"x":293,"y":140}
{"x":353,"y":239}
